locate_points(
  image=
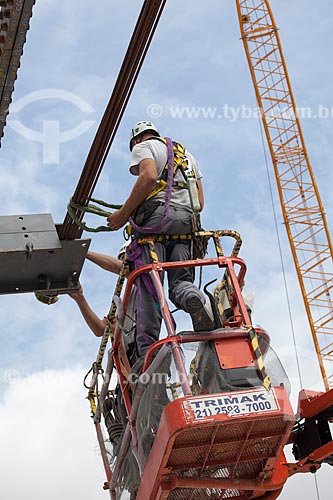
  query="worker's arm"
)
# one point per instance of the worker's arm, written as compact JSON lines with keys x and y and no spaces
{"x":141,"y":189}
{"x":200,"y":194}
{"x":105,"y":262}
{"x":95,"y":324}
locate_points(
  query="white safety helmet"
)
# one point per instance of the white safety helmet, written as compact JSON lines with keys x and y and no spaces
{"x":141,"y":127}
{"x":122,"y":249}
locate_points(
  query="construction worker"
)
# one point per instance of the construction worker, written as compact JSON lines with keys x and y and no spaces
{"x":97,"y":325}
{"x":149,"y":156}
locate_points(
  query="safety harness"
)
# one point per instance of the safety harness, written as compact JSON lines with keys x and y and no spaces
{"x":182,"y":163}
{"x":176,"y":160}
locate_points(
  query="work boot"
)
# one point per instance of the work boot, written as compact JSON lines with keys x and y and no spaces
{"x":200,"y":316}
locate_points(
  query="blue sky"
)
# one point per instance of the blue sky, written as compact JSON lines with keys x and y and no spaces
{"x":197,"y":61}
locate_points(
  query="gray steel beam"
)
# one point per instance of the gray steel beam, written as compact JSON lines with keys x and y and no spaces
{"x":14,"y":23}
{"x":34,"y":259}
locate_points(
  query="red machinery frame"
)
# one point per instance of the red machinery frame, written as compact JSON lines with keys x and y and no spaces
{"x":211,"y":440}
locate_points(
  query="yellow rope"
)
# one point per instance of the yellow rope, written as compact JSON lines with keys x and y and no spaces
{"x":216,"y":235}
{"x":108,"y":334}
{"x":151,"y":240}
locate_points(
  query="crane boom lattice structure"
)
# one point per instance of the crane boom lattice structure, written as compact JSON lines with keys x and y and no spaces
{"x":302,"y":208}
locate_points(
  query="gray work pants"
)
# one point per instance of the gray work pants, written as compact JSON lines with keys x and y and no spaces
{"x":180,"y":281}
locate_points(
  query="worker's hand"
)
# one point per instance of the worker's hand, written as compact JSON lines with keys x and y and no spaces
{"x":117,"y":220}
{"x":77,"y":294}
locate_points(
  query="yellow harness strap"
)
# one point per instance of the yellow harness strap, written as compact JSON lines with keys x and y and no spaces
{"x":180,"y":161}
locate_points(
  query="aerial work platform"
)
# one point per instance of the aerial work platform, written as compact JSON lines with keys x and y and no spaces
{"x":230,"y":443}
{"x":209,"y":414}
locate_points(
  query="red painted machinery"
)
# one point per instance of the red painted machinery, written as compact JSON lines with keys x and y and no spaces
{"x":208,"y":415}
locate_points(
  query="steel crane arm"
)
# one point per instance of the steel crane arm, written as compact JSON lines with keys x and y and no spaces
{"x":139,"y":44}
{"x":14,"y":25}
{"x":302,"y":209}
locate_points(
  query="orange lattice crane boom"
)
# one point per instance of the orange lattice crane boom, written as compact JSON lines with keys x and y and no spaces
{"x":302,"y":209}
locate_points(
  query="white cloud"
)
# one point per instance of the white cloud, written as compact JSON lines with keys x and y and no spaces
{"x":48,"y":439}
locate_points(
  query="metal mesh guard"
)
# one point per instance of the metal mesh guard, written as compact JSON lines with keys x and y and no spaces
{"x":199,"y":452}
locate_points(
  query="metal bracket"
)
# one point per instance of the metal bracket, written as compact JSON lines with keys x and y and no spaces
{"x":33,"y":259}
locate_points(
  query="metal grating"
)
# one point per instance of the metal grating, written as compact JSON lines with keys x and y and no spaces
{"x":14,"y":24}
{"x":202,"y":452}
{"x":210,"y":494}
{"x":234,"y":433}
